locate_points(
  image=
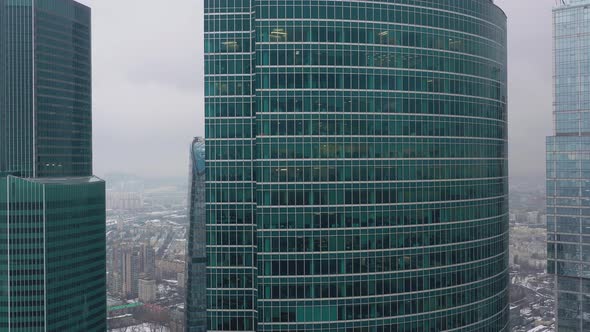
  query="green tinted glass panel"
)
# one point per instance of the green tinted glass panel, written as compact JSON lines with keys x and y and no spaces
{"x":357,"y":158}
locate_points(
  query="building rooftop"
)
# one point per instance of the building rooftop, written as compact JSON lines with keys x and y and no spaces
{"x":65,"y":181}
{"x":570,"y":4}
{"x":573,"y":2}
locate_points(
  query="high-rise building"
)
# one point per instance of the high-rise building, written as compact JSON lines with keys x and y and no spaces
{"x":52,"y":234}
{"x":568,"y":168}
{"x":115,"y":268}
{"x":196,"y":301}
{"x":131,"y":271}
{"x":147,"y":290}
{"x":356,"y":165}
{"x":128,"y":264}
{"x":148,"y":257}
{"x":115,"y":283}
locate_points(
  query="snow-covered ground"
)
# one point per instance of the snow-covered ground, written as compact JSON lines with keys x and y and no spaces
{"x":145,"y":327}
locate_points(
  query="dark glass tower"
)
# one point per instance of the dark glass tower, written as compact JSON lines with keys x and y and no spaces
{"x":196,"y":301}
{"x":356,"y":165}
{"x":568,"y":168}
{"x":52,"y":210}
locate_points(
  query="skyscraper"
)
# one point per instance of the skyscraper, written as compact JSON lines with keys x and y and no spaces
{"x":52,"y":210}
{"x":148,"y":256}
{"x":196,"y":301}
{"x":131,"y":268}
{"x":356,"y":165}
{"x":568,"y":168}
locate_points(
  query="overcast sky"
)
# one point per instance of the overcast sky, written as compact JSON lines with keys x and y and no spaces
{"x":148,"y":98}
{"x":147,"y":92}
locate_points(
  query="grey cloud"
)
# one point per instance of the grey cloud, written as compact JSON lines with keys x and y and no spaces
{"x":148,"y":89}
{"x":530,"y":72}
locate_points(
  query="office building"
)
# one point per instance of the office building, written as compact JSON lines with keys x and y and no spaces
{"x":147,"y":290}
{"x":131,"y":271}
{"x":568,"y":168}
{"x":356,"y":165}
{"x":52,"y":237}
{"x":115,"y":283}
{"x":148,"y":258}
{"x":115,"y":270}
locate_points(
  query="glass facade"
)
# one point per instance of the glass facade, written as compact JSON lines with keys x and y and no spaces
{"x":63,"y":83}
{"x":52,"y":238}
{"x":230,"y":122}
{"x":16,"y":88}
{"x":52,"y":266}
{"x":196,"y":301}
{"x":46,"y":99}
{"x":568,"y":168}
{"x":356,"y":165}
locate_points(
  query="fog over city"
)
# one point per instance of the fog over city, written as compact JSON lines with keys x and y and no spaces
{"x":148,"y":87}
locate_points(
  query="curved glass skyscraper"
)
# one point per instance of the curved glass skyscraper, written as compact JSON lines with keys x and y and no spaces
{"x":357,"y":166}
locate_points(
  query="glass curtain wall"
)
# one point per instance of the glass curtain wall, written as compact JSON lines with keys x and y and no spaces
{"x":568,"y":168}
{"x":372,"y":148}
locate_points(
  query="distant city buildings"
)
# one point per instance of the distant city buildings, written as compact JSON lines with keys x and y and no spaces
{"x":128,"y":263}
{"x":528,"y":247}
{"x":124,"y":200}
{"x":156,"y":236}
{"x":169,"y":269}
{"x":147,"y":290}
{"x":533,"y":217}
{"x":52,"y":209}
{"x":148,"y":261}
{"x":115,"y":283}
{"x":568,"y":168}
{"x":531,"y":290}
{"x":131,"y":270}
{"x":356,"y":166}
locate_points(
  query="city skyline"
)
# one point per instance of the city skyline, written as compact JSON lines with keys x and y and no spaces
{"x":357,"y":166}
